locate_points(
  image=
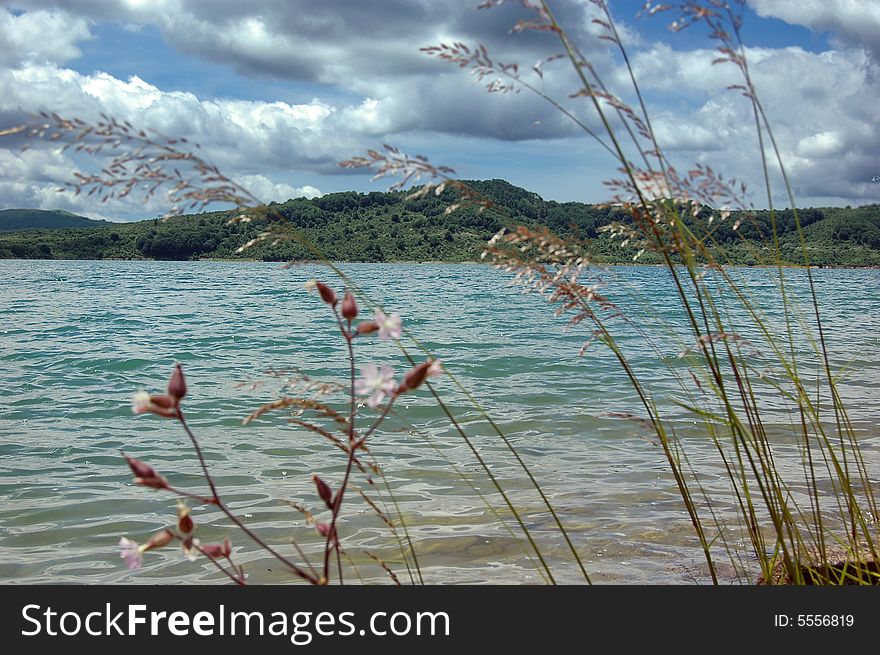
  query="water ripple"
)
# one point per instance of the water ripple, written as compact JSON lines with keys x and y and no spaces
{"x":78,"y":338}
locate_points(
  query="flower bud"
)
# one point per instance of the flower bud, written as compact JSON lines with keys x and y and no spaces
{"x":227,"y":547}
{"x":159,"y":539}
{"x":213,"y":550}
{"x":139,"y":468}
{"x":190,"y":548}
{"x":367,"y":327}
{"x":177,"y":384}
{"x":327,"y":294}
{"x":324,"y":491}
{"x":349,"y":306}
{"x":322,"y":528}
{"x":185,"y":523}
{"x":414,"y":378}
{"x":159,"y":404}
{"x":144,"y":474}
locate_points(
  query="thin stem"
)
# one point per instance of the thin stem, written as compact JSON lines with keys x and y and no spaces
{"x":236,"y":579}
{"x":232,"y":517}
{"x":332,"y":536}
{"x":202,"y":499}
{"x":199,"y":454}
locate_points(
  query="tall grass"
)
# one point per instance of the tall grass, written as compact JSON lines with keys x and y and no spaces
{"x":797,"y":532}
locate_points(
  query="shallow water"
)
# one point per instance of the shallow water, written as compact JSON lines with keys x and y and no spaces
{"x":77,"y":339}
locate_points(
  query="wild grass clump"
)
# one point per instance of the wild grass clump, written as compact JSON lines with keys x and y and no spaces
{"x":796,"y":530}
{"x":760,"y":389}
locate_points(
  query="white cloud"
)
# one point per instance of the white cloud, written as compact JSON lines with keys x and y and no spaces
{"x":853,"y":22}
{"x":371,"y":49}
{"x":821,"y":107}
{"x":32,"y":178}
{"x":249,"y":139}
{"x":40,"y":36}
{"x":268,"y":191}
{"x":673,"y":133}
{"x":821,"y":145}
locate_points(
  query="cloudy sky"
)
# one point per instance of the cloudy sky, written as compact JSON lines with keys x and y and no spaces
{"x":279,"y":91}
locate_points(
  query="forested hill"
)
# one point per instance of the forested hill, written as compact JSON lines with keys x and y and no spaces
{"x":23,"y":219}
{"x":384,"y":226}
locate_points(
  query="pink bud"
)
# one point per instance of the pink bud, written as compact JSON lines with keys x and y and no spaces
{"x":327,"y":294}
{"x":227,"y":547}
{"x":213,"y":550}
{"x":144,"y":474}
{"x":414,"y":378}
{"x":163,"y":400}
{"x":324,"y":491}
{"x":367,"y":327}
{"x":349,"y":306}
{"x":159,"y":539}
{"x":177,"y":384}
{"x":139,"y":468}
{"x":322,"y":528}
{"x":185,"y":523}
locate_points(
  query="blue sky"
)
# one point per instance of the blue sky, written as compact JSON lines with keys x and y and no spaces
{"x":278,"y":92}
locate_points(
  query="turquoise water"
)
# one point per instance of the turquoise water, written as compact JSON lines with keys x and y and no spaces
{"x":77,"y":339}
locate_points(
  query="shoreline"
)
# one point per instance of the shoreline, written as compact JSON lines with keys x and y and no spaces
{"x":243,"y":260}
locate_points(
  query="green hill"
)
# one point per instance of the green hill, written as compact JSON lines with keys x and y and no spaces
{"x":28,"y":219}
{"x":385,"y":226}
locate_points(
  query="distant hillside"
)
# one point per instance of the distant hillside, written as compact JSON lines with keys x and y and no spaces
{"x":30,"y":219}
{"x":386,"y":227}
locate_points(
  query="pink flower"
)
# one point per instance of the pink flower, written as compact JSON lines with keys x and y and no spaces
{"x":435,"y":369}
{"x":375,"y":383}
{"x":131,"y":552}
{"x":389,"y":326}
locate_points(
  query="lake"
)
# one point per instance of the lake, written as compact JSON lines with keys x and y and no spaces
{"x":78,"y":339}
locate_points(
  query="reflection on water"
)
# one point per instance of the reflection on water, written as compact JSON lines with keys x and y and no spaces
{"x":78,"y":338}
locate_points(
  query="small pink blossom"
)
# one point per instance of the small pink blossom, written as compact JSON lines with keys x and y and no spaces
{"x":435,"y":369}
{"x":132,"y":553}
{"x":374,"y":382}
{"x":389,"y":326}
